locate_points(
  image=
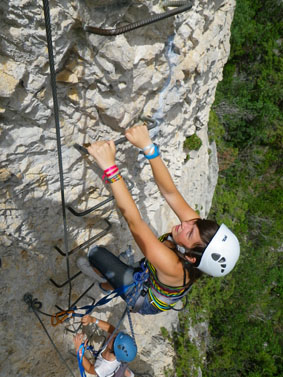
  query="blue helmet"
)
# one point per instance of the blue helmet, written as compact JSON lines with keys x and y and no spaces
{"x":125,"y":348}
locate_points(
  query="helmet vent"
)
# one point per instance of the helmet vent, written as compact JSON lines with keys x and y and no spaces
{"x":215,"y":256}
{"x":123,"y":348}
{"x":221,"y":260}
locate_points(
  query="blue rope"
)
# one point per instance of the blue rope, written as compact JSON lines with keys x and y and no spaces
{"x":115,"y":293}
{"x":80,"y":359}
{"x":139,"y":279}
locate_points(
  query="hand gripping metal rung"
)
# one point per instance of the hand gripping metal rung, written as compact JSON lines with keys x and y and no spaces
{"x":122,"y":140}
{"x":84,"y":151}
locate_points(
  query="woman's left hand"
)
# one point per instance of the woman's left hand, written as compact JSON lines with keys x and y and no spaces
{"x":103,"y":152}
{"x":78,"y":340}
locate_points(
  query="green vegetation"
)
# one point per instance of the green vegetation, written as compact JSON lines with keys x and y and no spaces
{"x":243,"y":310}
{"x":192,"y":143}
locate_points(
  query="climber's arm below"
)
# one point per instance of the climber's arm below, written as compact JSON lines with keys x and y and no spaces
{"x":87,"y":365}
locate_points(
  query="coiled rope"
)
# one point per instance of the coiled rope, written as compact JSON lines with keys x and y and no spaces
{"x":35,"y":305}
{"x":58,"y":136}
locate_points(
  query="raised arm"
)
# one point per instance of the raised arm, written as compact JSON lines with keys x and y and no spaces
{"x":157,"y":253}
{"x":139,"y":137}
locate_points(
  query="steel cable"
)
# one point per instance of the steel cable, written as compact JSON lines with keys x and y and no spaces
{"x":58,"y":136}
{"x":33,"y":305}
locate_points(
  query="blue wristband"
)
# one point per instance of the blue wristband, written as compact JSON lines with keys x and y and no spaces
{"x":155,"y":154}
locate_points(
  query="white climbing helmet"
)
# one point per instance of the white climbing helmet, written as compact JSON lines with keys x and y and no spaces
{"x":221,"y":254}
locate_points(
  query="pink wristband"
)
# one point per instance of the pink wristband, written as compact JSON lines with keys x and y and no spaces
{"x":112,"y":172}
{"x":111,"y":168}
{"x":108,"y":175}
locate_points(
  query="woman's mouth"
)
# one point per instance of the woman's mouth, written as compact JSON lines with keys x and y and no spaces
{"x":177,"y":227}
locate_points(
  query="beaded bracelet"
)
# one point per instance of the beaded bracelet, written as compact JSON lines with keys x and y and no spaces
{"x":113,"y":179}
{"x":110,"y":171}
{"x":155,"y":153}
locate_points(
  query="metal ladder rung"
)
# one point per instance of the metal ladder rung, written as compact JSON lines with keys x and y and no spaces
{"x":78,"y":299}
{"x":88,"y":242}
{"x":83,"y":245}
{"x":65,"y":282}
{"x":83,"y":150}
{"x":86,"y":212}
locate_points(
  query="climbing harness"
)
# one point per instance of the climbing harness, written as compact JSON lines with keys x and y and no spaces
{"x":80,"y":354}
{"x":135,"y":297}
{"x":138,"y":24}
{"x":132,"y":292}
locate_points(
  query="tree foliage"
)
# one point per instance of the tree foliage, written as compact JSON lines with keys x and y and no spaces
{"x":244,"y":309}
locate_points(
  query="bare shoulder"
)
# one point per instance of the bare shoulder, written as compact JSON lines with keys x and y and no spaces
{"x":160,"y":255}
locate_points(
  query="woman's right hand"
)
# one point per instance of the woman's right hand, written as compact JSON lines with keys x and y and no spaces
{"x":103,"y":152}
{"x":138,"y":136}
{"x":86,"y":320}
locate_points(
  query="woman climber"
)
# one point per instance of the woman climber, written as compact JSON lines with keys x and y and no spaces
{"x":120,"y":348}
{"x":175,"y":260}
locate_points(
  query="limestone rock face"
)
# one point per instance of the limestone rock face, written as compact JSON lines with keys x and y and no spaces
{"x":168,"y":71}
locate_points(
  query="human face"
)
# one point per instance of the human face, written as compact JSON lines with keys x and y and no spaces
{"x":186,"y":234}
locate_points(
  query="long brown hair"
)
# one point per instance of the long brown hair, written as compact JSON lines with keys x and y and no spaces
{"x":207,"y":229}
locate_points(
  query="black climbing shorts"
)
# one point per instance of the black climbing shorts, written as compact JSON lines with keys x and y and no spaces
{"x":111,"y":267}
{"x":117,"y":273}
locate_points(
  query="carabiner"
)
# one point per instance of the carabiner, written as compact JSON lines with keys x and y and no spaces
{"x":60,"y":317}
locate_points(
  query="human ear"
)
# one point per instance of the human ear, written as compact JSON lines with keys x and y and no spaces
{"x":191,"y":259}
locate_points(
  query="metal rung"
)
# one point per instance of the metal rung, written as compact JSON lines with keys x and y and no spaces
{"x":83,"y":150}
{"x":88,"y":242}
{"x":86,"y":212}
{"x":65,"y":282}
{"x":154,"y":122}
{"x":81,"y":296}
{"x":83,"y":245}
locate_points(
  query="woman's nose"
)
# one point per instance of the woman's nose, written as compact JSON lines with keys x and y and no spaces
{"x":183,"y":225}
{"x":186,"y":225}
